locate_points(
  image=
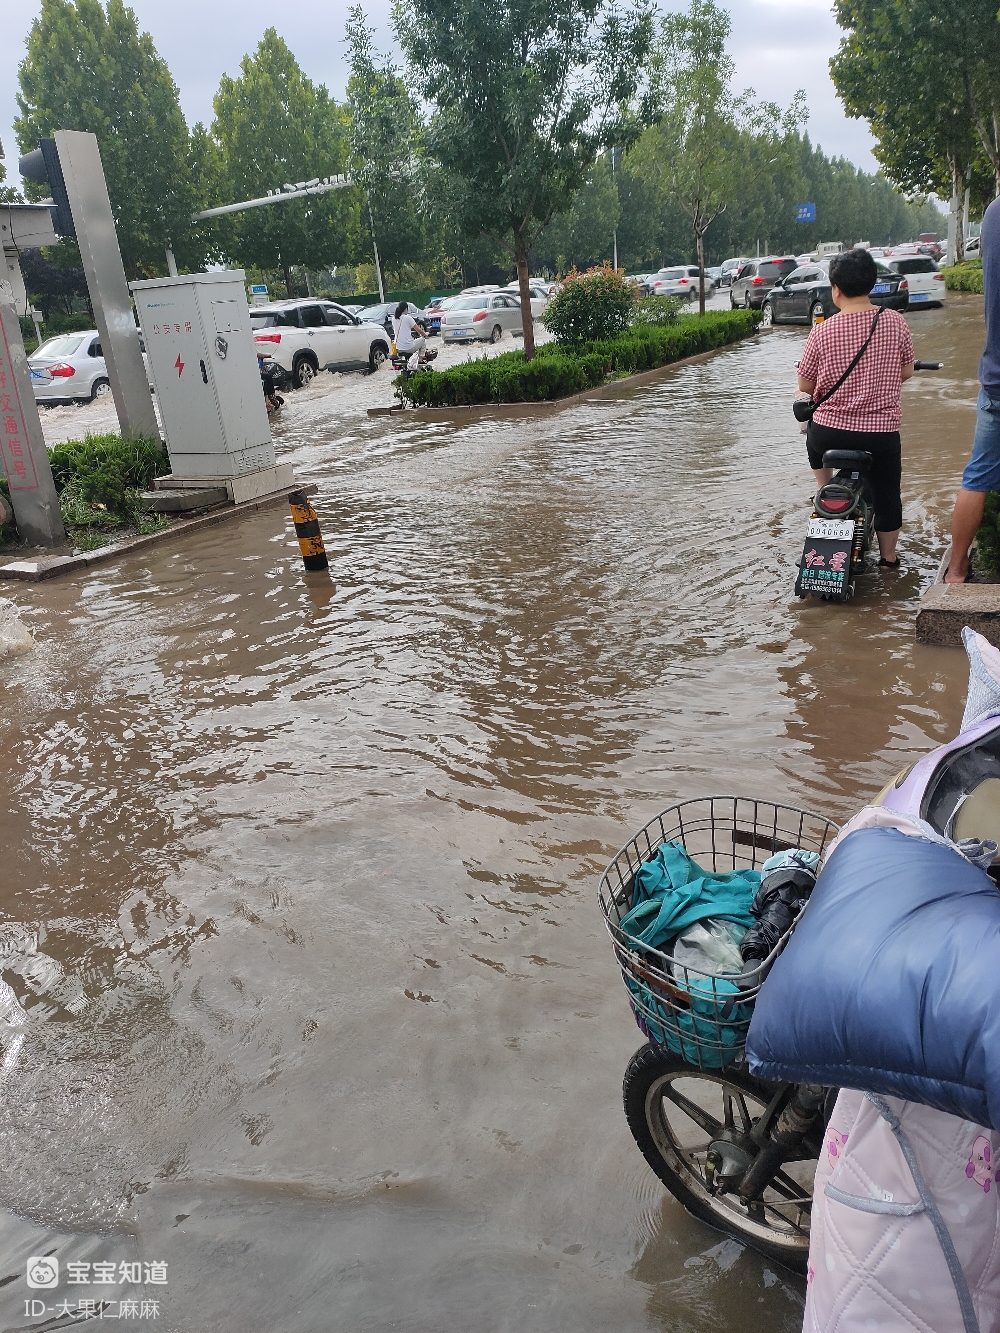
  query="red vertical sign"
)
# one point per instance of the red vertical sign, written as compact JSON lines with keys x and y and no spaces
{"x":14,"y":450}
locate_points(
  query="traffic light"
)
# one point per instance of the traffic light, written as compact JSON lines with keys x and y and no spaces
{"x":43,"y":166}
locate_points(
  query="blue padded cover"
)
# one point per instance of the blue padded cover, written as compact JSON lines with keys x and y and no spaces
{"x":891,"y":982}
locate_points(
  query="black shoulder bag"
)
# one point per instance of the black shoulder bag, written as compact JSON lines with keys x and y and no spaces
{"x":803,"y":408}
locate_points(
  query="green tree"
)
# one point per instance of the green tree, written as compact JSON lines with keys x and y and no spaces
{"x":525,"y":93}
{"x":709,"y":146}
{"x":584,"y":234}
{"x":918,"y":96}
{"x":385,"y":138}
{"x":273,"y":126}
{"x":89,"y":68}
{"x":8,"y":193}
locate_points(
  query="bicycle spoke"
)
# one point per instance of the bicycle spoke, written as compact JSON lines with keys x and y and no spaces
{"x":692,"y":1110}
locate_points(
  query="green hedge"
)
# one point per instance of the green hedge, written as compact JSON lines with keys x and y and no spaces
{"x":964,"y":277}
{"x":559,"y":371}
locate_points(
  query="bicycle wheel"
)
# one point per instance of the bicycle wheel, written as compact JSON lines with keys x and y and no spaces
{"x":676,"y":1111}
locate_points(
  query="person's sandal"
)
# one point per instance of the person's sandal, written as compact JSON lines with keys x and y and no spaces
{"x":889,"y":564}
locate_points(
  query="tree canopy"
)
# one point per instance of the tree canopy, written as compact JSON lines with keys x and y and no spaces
{"x":524,"y":95}
{"x":89,"y":68}
{"x":273,"y":126}
{"x":709,"y":146}
{"x":925,"y":74}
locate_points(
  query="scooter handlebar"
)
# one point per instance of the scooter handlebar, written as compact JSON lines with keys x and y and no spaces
{"x":928,"y":365}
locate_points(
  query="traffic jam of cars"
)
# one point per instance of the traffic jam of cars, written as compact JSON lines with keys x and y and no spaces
{"x":296,"y":339}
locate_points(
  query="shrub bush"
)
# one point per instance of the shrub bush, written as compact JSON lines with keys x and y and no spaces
{"x":589,"y":306}
{"x":559,"y":371}
{"x":964,"y":277}
{"x":657,"y":309}
{"x":988,"y":536}
{"x":105,"y":467}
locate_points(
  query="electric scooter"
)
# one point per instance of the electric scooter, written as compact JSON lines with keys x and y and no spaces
{"x":841,"y":527}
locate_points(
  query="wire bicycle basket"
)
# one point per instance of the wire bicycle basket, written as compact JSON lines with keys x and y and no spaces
{"x":703,"y":1016}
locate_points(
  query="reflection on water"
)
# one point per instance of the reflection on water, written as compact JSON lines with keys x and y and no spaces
{"x":320,"y":854}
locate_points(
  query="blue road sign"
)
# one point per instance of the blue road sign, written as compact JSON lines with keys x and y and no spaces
{"x":805,"y":213}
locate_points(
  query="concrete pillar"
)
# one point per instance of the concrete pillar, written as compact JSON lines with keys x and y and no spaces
{"x":25,"y":461}
{"x":83,"y":174}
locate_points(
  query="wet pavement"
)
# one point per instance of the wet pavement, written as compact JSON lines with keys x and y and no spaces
{"x":322,"y":854}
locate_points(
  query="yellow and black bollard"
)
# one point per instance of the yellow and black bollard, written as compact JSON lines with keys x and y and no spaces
{"x":307,"y":531}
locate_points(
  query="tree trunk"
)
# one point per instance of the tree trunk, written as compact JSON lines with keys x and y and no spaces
{"x":527,"y":323}
{"x":701,"y":271}
{"x":289,"y":286}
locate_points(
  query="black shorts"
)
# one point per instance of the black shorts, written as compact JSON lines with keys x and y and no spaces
{"x":886,"y":470}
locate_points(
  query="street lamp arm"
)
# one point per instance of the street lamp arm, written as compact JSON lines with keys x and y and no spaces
{"x":331,"y":183}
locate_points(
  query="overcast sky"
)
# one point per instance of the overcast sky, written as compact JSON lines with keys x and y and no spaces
{"x":777,"y":46}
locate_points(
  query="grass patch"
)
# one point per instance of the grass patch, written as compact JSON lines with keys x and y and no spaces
{"x":562,"y":369}
{"x":99,"y":481}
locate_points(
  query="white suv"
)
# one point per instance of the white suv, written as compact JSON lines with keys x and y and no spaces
{"x":302,"y":337}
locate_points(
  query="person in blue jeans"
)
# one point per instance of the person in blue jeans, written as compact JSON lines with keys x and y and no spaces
{"x":982,"y":472}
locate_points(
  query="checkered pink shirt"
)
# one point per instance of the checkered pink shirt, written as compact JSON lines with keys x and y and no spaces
{"x":869,"y":397}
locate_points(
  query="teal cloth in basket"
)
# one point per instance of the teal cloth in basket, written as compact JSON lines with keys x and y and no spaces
{"x":672,"y":892}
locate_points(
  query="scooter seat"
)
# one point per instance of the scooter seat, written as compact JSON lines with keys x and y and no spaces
{"x":855,"y":459}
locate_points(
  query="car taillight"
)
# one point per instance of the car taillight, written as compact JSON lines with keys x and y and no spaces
{"x":477,"y":318}
{"x":267,"y":337}
{"x":682,"y":281}
{"x":62,"y":371}
{"x":939,"y":277}
{"x":757,"y":281}
{"x":835,"y":506}
{"x":904,"y":286}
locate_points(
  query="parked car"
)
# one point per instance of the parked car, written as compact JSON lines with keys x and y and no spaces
{"x":730,"y":268}
{"x":715,"y":274}
{"x":302,"y":337}
{"x":805,"y":295}
{"x":539,"y":298}
{"x":681,"y":280}
{"x":485,"y":317}
{"x":972,"y":248}
{"x":432,"y":315}
{"x":70,"y":368}
{"x":644,"y":281}
{"x":925,"y":280}
{"x":755,"y":279}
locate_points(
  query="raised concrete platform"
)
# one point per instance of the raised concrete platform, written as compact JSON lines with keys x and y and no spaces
{"x":50,"y":567}
{"x":946,"y":607}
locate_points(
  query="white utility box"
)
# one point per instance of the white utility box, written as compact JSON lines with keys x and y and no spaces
{"x":203,"y":365}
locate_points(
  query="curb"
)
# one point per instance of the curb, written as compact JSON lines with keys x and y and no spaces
{"x":945,"y":608}
{"x":476,"y":411}
{"x":50,"y":567}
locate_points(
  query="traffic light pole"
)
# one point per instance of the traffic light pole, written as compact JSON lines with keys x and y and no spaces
{"x":94,"y":223}
{"x":22,"y":445}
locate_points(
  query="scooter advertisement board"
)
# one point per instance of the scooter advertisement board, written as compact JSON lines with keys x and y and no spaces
{"x":826,"y":557}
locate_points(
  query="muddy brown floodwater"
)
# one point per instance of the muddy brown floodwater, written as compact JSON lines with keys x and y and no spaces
{"x":323,"y":856}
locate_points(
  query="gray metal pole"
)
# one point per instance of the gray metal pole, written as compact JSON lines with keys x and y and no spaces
{"x":83,"y":172}
{"x":25,"y":460}
{"x":378,"y":266}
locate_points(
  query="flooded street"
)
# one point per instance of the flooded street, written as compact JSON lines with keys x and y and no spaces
{"x":323,"y":854}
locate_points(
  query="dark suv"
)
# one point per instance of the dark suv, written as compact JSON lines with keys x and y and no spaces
{"x":756,"y":278}
{"x":805,"y":296}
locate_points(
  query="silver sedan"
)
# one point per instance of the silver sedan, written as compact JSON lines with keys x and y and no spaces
{"x":69,"y":368}
{"x":483,"y":318}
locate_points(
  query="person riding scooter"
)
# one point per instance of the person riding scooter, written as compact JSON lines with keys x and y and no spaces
{"x":410,"y":336}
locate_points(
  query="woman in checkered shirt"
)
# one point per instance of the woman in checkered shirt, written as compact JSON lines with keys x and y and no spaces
{"x":864,"y":413}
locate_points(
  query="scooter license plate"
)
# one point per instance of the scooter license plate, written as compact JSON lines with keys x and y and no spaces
{"x":831,"y":529}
